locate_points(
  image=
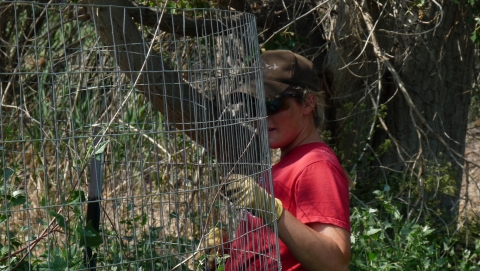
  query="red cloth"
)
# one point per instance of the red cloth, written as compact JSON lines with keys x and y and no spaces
{"x":312,"y":186}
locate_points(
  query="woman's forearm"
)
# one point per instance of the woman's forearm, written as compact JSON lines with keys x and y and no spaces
{"x":323,"y":247}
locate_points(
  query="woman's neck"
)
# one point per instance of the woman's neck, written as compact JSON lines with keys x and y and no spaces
{"x":310,"y":137}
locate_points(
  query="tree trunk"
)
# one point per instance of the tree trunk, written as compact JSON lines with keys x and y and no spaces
{"x":204,"y":118}
{"x":414,"y":74}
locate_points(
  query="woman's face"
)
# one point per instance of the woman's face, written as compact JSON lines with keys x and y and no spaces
{"x":290,"y":127}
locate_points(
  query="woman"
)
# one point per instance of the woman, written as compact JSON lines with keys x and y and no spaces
{"x":311,"y":201}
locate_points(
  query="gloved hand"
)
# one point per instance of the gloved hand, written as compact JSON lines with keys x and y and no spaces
{"x":245,"y":192}
{"x":215,"y":237}
{"x":214,"y":241}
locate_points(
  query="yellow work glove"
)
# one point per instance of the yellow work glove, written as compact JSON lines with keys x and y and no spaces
{"x":213,"y":241}
{"x":246,"y":193}
{"x":214,"y":238}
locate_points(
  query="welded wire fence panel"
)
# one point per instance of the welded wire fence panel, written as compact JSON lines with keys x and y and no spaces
{"x":118,"y":129}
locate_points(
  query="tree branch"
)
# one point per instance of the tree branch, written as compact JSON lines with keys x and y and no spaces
{"x":199,"y":117}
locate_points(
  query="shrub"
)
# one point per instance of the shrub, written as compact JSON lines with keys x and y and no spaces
{"x":382,"y":239}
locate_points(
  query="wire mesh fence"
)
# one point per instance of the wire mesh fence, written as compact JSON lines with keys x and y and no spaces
{"x":118,"y":128}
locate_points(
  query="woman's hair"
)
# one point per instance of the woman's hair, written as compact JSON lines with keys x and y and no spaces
{"x":319,"y":109}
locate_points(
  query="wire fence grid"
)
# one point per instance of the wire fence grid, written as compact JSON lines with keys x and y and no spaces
{"x":118,"y":128}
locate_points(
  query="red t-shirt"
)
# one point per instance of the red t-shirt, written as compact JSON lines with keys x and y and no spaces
{"x":312,"y":186}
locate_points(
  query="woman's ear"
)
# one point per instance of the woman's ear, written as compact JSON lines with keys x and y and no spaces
{"x":310,"y":103}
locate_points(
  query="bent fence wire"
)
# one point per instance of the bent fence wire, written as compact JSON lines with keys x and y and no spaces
{"x":119,"y":127}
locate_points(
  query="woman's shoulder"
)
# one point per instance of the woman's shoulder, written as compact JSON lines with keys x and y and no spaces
{"x":310,"y":153}
{"x":316,"y":151}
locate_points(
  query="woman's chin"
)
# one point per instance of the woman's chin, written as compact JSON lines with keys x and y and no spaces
{"x":274,"y":145}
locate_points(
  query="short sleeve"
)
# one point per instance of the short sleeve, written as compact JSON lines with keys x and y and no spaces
{"x":321,"y":194}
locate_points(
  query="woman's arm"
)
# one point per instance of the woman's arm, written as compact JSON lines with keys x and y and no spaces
{"x":316,"y":246}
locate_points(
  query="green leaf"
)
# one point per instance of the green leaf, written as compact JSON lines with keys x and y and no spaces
{"x":474,"y":37}
{"x":88,"y":236}
{"x":372,"y":231}
{"x":18,"y":193}
{"x":441,"y":261}
{"x":397,"y":215}
{"x":24,"y":228}
{"x":54,"y":262}
{"x":101,"y":147}
{"x":4,"y":217}
{"x":7,"y":173}
{"x":143,"y":218}
{"x":4,"y":250}
{"x":77,"y":196}
{"x":427,"y":230}
{"x":77,"y":210}
{"x":419,"y":3}
{"x":18,"y":198}
{"x":59,"y":217}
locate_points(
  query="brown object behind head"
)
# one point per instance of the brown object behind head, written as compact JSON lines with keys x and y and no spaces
{"x":283,"y":68}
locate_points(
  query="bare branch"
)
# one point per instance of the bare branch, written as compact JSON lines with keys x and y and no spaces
{"x":184,"y":106}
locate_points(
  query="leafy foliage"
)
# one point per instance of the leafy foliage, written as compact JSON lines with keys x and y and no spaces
{"x":383,"y":240}
{"x":474,"y":6}
{"x":285,"y":40}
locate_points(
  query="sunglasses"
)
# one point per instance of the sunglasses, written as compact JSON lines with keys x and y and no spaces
{"x":280,"y":103}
